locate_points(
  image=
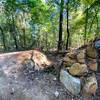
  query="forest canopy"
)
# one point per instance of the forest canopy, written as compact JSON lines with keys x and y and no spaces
{"x":48,"y":24}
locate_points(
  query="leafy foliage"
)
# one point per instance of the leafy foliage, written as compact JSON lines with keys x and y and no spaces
{"x":27,"y":24}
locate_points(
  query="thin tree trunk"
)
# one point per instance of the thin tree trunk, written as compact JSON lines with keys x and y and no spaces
{"x":24,"y":31}
{"x":97,"y":23}
{"x":68,"y":34}
{"x":3,"y":38}
{"x":86,"y":21}
{"x":46,"y":40}
{"x":60,"y":26}
{"x":14,"y":32}
{"x":24,"y":38}
{"x":92,"y":23}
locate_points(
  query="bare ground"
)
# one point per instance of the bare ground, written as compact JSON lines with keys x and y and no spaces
{"x":21,"y":82}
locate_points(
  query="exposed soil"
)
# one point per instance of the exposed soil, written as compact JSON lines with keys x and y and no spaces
{"x":21,"y":82}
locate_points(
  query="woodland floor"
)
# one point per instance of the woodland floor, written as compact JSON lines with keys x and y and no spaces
{"x":19,"y":82}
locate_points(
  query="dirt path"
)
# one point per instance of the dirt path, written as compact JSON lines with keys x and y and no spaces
{"x":20,"y":81}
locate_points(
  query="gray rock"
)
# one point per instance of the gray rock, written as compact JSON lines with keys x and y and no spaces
{"x":71,"y":83}
{"x":56,"y":93}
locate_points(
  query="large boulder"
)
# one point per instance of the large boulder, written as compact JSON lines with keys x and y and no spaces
{"x":78,"y":69}
{"x":71,"y":83}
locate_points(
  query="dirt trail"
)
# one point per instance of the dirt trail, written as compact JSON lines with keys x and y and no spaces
{"x":20,"y":81}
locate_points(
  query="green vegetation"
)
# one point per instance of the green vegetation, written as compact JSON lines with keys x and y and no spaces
{"x":47,"y":24}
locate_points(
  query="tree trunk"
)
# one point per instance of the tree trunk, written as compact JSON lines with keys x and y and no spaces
{"x":46,"y":41}
{"x":91,"y":24}
{"x":24,"y":38}
{"x":68,"y":34}
{"x":86,"y":21}
{"x":14,"y":32}
{"x":60,"y":26}
{"x":3,"y":38}
{"x":97,"y":32}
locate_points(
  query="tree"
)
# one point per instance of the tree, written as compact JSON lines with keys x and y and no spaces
{"x":60,"y":25}
{"x":3,"y":38}
{"x":68,"y":34}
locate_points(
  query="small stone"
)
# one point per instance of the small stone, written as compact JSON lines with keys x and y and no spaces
{"x":55,"y":79}
{"x":56,"y":93}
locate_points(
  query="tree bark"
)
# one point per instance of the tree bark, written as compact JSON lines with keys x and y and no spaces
{"x":60,"y":26}
{"x":86,"y":21}
{"x":68,"y":34}
{"x":3,"y":38}
{"x":14,"y":32}
{"x":91,"y":23}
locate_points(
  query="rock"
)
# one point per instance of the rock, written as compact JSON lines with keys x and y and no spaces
{"x":54,"y":79}
{"x":90,"y":86}
{"x":91,"y":52}
{"x":71,"y":83}
{"x":81,"y":57}
{"x":84,"y":69}
{"x":71,"y":55}
{"x":82,"y":61}
{"x":56,"y":93}
{"x":97,"y":44}
{"x":68,"y":61}
{"x":92,"y":66}
{"x":78,"y":69}
{"x":41,"y":61}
